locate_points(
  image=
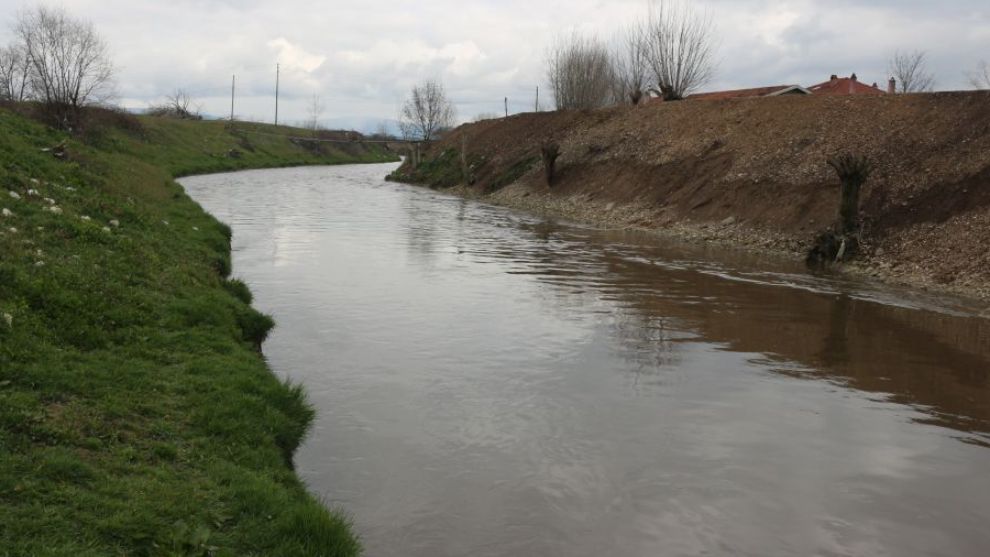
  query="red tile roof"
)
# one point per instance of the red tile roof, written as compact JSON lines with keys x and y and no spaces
{"x":754,"y":92}
{"x":845,"y":86}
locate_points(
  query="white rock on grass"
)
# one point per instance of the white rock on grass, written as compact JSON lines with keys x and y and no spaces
{"x":115,"y":223}
{"x":165,"y":222}
{"x":33,"y":193}
{"x":55,"y":210}
{"x":39,"y":264}
{"x":85,"y":218}
{"x":49,"y":201}
{"x":35,"y":181}
{"x":106,"y":229}
{"x":14,"y":195}
{"x":12,"y":230}
{"x":9,"y":320}
{"x":7,"y":212}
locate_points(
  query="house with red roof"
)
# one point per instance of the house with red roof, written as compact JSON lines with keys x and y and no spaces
{"x":772,"y":91}
{"x":850,"y":86}
{"x":834,"y":86}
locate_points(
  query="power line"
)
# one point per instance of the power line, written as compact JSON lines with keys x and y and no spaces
{"x":276,"y":93}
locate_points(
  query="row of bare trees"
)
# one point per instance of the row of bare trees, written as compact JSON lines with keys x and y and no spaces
{"x":670,"y":52}
{"x":57,"y":60}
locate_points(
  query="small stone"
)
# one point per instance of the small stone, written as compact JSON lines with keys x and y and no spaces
{"x":9,"y":320}
{"x":39,"y":264}
{"x":33,"y":193}
{"x":115,"y":223}
{"x":49,"y":201}
{"x":14,"y":195}
{"x":85,"y":218}
{"x":196,"y":228}
{"x":106,"y":229}
{"x":729,"y":221}
{"x":7,"y":212}
{"x":35,"y":181}
{"x":12,"y":230}
{"x":55,"y":210}
{"x":165,"y":222}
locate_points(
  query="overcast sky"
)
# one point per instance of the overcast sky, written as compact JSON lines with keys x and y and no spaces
{"x":362,"y":57}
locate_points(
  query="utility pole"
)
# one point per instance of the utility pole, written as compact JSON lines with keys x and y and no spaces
{"x":537,"y":98}
{"x":276,"y":94}
{"x":233,"y":83}
{"x":506,"y":107}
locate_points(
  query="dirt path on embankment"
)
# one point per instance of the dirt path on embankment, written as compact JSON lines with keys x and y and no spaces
{"x":752,"y":173}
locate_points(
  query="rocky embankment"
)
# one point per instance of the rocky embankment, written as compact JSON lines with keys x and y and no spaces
{"x":753,"y":173}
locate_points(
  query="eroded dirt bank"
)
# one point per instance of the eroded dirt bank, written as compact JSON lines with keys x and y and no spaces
{"x":752,"y":172}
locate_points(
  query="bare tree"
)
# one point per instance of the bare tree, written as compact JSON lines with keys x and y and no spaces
{"x":70,"y":64}
{"x":910,"y":69}
{"x":679,"y":47}
{"x":314,"y":112}
{"x":178,"y":104}
{"x":14,"y":73}
{"x":980,"y":77}
{"x":581,"y":73}
{"x":426,"y":112}
{"x":630,"y":64}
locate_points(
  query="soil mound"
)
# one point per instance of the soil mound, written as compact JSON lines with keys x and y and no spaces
{"x":753,"y":171}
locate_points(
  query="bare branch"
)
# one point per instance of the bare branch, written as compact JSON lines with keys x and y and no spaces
{"x":69,"y":62}
{"x":679,"y":48}
{"x":177,"y":105}
{"x":314,"y":112}
{"x":980,"y":78}
{"x":14,"y":73}
{"x":581,"y":73}
{"x":631,"y":67}
{"x":910,"y":69}
{"x":426,"y":112}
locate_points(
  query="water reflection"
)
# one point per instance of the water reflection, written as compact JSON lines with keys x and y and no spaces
{"x":490,"y":383}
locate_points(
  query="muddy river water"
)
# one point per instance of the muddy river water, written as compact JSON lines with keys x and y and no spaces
{"x":491,"y":383}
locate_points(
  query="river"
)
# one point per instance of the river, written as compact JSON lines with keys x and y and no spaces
{"x":490,"y":383}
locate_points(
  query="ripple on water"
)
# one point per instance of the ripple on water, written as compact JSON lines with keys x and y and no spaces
{"x":493,"y":383}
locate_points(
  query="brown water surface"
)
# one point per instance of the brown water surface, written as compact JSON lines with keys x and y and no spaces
{"x":495,"y":384}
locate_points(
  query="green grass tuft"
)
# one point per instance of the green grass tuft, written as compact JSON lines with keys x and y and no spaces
{"x":136,"y":415}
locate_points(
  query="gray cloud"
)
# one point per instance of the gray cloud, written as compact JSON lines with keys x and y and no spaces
{"x":362,"y":57}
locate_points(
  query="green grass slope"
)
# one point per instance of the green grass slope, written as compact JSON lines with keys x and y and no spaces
{"x":136,"y":415}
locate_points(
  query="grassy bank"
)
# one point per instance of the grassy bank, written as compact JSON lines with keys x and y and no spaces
{"x":136,"y":414}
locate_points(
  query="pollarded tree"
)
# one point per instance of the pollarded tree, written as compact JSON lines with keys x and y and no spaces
{"x":630,"y":63}
{"x":910,"y":70}
{"x":426,"y":112}
{"x":70,"y":64}
{"x":581,"y":72}
{"x":679,"y":47}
